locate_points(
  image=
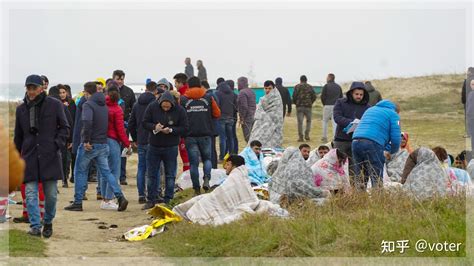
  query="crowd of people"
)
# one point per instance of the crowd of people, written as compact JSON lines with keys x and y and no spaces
{"x":61,"y":138}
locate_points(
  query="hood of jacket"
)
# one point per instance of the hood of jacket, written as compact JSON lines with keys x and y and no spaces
{"x":165,"y":82}
{"x":224,"y":88}
{"x":195,"y":93}
{"x":387,"y":104}
{"x":168,"y":97}
{"x":279,"y":82}
{"x":369,"y":87}
{"x":98,"y":98}
{"x":230,"y":83}
{"x":360,"y":86}
{"x":242,"y":83}
{"x":146,"y":98}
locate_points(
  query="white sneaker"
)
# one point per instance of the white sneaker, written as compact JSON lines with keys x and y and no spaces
{"x":110,"y":205}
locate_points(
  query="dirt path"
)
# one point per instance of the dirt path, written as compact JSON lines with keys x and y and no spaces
{"x":77,"y":233}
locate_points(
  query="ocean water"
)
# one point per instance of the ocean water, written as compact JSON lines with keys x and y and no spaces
{"x":16,"y":91}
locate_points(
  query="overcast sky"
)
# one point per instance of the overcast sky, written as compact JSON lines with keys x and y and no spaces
{"x":72,"y":46}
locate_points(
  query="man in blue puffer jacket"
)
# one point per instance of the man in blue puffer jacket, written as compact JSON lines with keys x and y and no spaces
{"x":378,"y":130}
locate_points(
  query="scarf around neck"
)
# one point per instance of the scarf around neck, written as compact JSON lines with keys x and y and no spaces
{"x":33,"y":108}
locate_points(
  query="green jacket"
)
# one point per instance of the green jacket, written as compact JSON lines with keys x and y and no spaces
{"x":304,"y":95}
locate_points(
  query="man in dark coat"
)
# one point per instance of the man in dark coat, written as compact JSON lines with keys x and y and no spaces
{"x":165,"y":122}
{"x":346,"y":110}
{"x":227,"y":102}
{"x":247,"y":104}
{"x":41,"y":130}
{"x":140,"y":135}
{"x":329,"y":95}
{"x":285,"y":96}
{"x":374,"y":94}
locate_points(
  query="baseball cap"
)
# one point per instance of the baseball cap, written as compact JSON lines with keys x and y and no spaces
{"x":34,"y":80}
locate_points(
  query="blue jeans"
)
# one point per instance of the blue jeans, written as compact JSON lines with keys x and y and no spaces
{"x":199,"y":146}
{"x":368,"y":161}
{"x":114,"y":165}
{"x":141,"y":169}
{"x":97,"y":188}
{"x":169,"y":157}
{"x":50,"y":189}
{"x":99,"y":152}
{"x":226,"y":137}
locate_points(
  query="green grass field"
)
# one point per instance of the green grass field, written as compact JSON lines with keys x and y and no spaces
{"x":353,"y":225}
{"x":347,"y":226}
{"x":19,"y":244}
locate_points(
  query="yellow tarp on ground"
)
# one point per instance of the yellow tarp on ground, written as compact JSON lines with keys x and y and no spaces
{"x":162,"y":216}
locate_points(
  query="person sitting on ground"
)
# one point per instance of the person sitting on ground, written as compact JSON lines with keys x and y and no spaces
{"x":460,"y":160}
{"x":268,"y":125}
{"x":405,"y":144}
{"x":459,"y":178}
{"x":423,"y":176}
{"x":323,"y":150}
{"x":305,"y":149}
{"x":395,"y":163}
{"x":229,"y":201}
{"x":254,"y":161}
{"x":330,"y":172}
{"x":317,"y":154}
{"x":293,"y":179}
